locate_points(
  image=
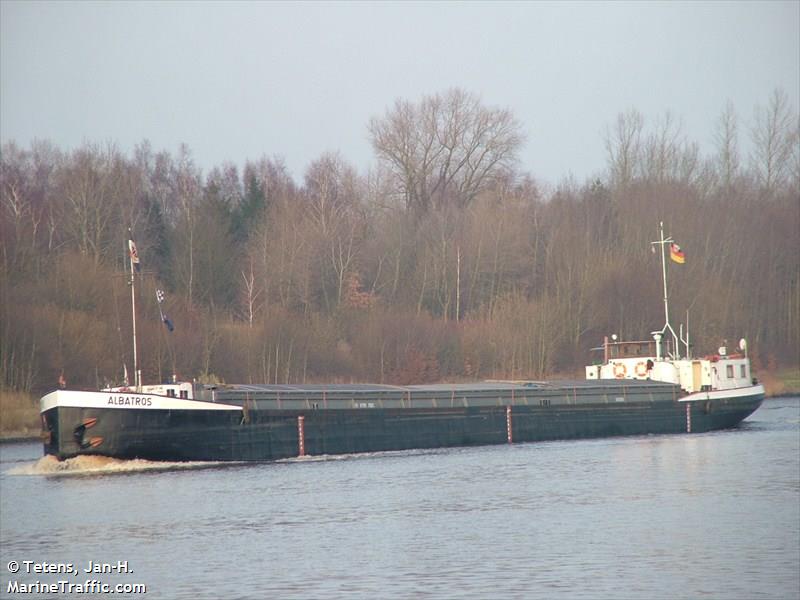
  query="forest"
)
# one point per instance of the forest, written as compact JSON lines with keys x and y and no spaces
{"x":446,"y":261}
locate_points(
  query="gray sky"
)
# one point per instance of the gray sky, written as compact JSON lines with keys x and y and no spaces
{"x":241,"y":80}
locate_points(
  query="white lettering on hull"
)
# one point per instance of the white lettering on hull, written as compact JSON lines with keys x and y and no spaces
{"x":117,"y":401}
{"x":129,"y":401}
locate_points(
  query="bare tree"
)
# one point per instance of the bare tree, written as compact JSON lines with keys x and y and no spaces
{"x":726,"y":138}
{"x":333,"y":192}
{"x":185,"y":181}
{"x":18,"y":219}
{"x":667,"y":156}
{"x":251,"y":294}
{"x":90,"y":203}
{"x":445,"y":149}
{"x":623,"y":144}
{"x":795,"y":159}
{"x":661,"y":150}
{"x":773,"y":133}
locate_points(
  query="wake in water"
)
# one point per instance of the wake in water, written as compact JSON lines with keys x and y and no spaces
{"x":102,"y":465}
{"x":311,"y":458}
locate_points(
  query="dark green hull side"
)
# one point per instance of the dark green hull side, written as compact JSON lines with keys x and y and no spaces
{"x":260,"y":435}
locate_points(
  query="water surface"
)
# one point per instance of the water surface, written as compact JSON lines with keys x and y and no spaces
{"x":712,"y":515}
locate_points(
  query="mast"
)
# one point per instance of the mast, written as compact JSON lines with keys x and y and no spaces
{"x":133,"y":257}
{"x":667,"y":327}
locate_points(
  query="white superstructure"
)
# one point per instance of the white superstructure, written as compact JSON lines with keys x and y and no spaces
{"x":640,"y":360}
{"x":660,"y":359}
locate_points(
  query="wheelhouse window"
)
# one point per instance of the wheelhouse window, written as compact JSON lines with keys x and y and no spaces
{"x":631,"y":349}
{"x":729,"y":371}
{"x":743,"y":371}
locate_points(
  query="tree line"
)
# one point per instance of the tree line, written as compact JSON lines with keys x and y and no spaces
{"x":447,"y":260}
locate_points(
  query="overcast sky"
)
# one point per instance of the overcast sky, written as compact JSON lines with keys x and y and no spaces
{"x":236,"y":81}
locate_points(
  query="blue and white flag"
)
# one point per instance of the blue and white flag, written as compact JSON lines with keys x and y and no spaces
{"x":160,"y":296}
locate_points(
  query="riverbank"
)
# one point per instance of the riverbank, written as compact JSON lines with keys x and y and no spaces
{"x":19,"y":416}
{"x":783,"y":382}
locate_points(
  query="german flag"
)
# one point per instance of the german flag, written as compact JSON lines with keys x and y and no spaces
{"x":134,"y":255}
{"x":676,"y":254}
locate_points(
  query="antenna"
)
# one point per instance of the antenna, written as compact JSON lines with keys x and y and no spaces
{"x":688,"y":348}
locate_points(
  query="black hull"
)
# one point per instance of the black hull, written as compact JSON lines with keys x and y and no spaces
{"x":261,"y":435}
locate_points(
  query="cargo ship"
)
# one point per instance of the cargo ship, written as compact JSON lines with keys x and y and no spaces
{"x":634,"y":388}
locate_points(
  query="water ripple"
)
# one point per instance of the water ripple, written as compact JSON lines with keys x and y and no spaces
{"x":704,"y":516}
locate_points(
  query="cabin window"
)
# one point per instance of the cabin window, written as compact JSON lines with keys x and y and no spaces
{"x":729,"y":371}
{"x":184,"y":394}
{"x":743,"y":371}
{"x":631,"y":349}
{"x":170,"y":392}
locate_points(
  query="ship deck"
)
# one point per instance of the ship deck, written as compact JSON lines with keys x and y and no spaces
{"x":440,"y":395}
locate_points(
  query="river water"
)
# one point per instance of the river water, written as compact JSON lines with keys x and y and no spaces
{"x":712,"y":515}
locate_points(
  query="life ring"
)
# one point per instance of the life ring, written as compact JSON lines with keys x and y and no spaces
{"x":620,"y":371}
{"x":641,"y":369}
